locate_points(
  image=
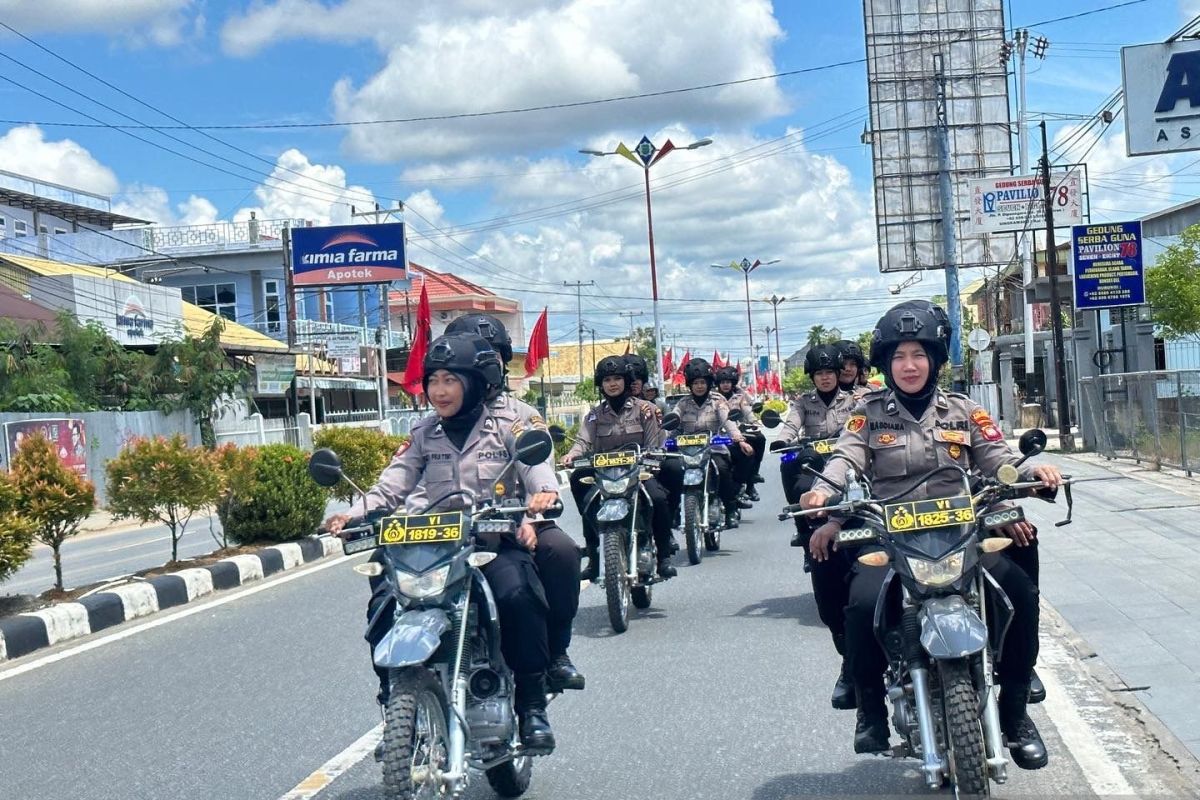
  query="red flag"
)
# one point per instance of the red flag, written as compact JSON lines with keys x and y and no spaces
{"x":717,"y":363}
{"x":539,"y":345}
{"x":687,"y":356}
{"x":414,"y":370}
{"x":776,"y":386}
{"x":628,"y":344}
{"x":761,"y":383}
{"x":668,"y":366}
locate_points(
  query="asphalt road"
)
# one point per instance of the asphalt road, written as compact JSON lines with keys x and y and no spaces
{"x":719,"y":691}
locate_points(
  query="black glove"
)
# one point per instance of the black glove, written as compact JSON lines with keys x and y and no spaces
{"x":778,"y":445}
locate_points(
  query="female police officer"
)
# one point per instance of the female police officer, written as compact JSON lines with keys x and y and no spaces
{"x":906,"y":431}
{"x":462,"y":447}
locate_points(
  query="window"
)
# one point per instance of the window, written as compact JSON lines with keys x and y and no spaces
{"x":272,"y":302}
{"x":59,"y":231}
{"x":3,"y":226}
{"x":20,"y":228}
{"x":219,"y":298}
{"x":43,"y":229}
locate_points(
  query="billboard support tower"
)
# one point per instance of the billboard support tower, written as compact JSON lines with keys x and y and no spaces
{"x":949,"y":244}
{"x":383,"y":333}
{"x":1022,"y":42}
{"x":1066,"y":441}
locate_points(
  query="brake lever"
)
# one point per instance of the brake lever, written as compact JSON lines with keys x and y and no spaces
{"x":1070,"y":506}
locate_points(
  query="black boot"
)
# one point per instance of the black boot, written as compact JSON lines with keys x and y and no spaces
{"x":666,"y":569}
{"x":743,"y":501}
{"x":1037,"y":692}
{"x":843,"y":697}
{"x":871,"y":729}
{"x":1024,"y":742}
{"x":563,"y":675}
{"x":752,"y":493}
{"x":530,"y":701}
{"x":758,"y":479}
{"x":592,"y":571}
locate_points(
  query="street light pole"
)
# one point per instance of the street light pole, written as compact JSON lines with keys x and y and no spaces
{"x":775,"y":300}
{"x":746,"y":266}
{"x":646,"y":155}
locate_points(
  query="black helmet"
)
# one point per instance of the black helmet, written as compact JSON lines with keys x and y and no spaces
{"x":823,"y":356}
{"x":465,"y":352}
{"x":609,"y":366}
{"x":638,"y":368}
{"x":851,"y":350}
{"x":911,"y":321}
{"x":485,"y":325}
{"x":728,"y":374}
{"x":698,"y":368}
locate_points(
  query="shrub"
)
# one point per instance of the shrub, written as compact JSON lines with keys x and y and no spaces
{"x":16,"y":532}
{"x":163,"y":480}
{"x":273,"y":498}
{"x":561,"y":448}
{"x":364,"y":453}
{"x":775,"y":404}
{"x":52,"y":496}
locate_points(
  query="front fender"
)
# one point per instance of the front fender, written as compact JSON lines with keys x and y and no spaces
{"x":413,"y":639}
{"x":951,"y":629}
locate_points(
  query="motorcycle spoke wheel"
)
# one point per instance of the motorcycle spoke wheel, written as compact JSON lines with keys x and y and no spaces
{"x":414,"y":737}
{"x":966,"y":751}
{"x":691,"y":527}
{"x":511,"y":779}
{"x":616,"y":581}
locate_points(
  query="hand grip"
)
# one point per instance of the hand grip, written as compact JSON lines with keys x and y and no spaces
{"x":554,"y":511}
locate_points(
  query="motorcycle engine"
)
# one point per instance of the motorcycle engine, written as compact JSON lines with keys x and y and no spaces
{"x":489,"y":711}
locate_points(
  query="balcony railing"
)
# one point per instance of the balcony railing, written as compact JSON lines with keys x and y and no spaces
{"x":251,"y":233}
{"x":308,"y":330}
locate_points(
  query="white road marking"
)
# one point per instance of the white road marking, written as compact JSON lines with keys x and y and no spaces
{"x":142,"y":543}
{"x":1083,"y":738}
{"x":164,"y":619}
{"x":328,"y":772}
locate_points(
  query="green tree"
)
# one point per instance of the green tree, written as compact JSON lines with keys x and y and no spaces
{"x":162,"y":480}
{"x":364,"y":453}
{"x":643,"y":345}
{"x":586,"y":391}
{"x":277,"y":500}
{"x":195,"y":374}
{"x":796,"y":381}
{"x":53,"y":497}
{"x":16,"y":532}
{"x":817,"y":335}
{"x":1173,"y":286}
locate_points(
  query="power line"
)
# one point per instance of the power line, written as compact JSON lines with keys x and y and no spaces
{"x":1046,"y":22}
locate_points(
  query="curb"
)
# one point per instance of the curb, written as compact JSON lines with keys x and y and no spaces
{"x":25,"y":633}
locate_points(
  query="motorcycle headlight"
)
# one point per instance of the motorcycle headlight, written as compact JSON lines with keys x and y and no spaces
{"x":619,"y":486}
{"x":693,"y":477}
{"x":419,"y":587}
{"x":937,"y":573}
{"x":693,"y":461}
{"x":613,"y":510}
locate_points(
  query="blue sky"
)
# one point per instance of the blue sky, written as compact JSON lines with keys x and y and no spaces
{"x":234,"y":62}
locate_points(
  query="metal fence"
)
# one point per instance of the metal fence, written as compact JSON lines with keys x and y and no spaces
{"x":1151,"y":417}
{"x":255,"y":430}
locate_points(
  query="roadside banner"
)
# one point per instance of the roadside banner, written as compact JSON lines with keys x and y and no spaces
{"x":1108,"y":265}
{"x":67,"y":436}
{"x":1013,"y":203}
{"x":274,"y":373}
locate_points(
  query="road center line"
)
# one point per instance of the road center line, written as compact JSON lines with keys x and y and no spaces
{"x":157,"y":621}
{"x":328,"y":772}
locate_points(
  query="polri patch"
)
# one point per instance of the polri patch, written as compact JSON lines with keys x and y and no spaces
{"x":885,"y":438}
{"x":856,"y":423}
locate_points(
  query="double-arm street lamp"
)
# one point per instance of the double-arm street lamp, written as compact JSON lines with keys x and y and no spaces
{"x":747,"y":266}
{"x":775,"y":300}
{"x":646,"y":155}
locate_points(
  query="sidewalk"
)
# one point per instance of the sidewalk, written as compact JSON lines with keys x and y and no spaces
{"x":1126,"y":577}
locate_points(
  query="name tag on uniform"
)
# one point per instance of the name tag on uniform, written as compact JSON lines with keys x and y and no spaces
{"x":925,"y":514}
{"x":421,"y":528}
{"x":615,"y":459}
{"x":692,"y":440}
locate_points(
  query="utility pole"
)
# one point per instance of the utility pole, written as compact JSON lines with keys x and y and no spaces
{"x":578,"y":286}
{"x":1066,"y":441}
{"x":631,"y":315}
{"x":1021,"y":42}
{"x":949,"y":237}
{"x":383,"y":332}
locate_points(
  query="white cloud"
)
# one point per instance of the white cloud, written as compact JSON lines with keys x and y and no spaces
{"x":299,"y":189}
{"x":457,"y":60}
{"x":26,"y":151}
{"x":1123,"y":187}
{"x":160,"y":22}
{"x":153,"y":204}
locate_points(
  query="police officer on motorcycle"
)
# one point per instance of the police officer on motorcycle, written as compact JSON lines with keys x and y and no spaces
{"x":893,"y":435}
{"x":853,"y":375}
{"x":704,"y":410}
{"x":619,"y":420}
{"x":463,"y":447}
{"x":745,"y":468}
{"x":816,"y":415}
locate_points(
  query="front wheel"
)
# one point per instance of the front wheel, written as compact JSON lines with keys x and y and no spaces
{"x":691,"y":528}
{"x":414,"y":736}
{"x":511,"y":779}
{"x":616,"y":580}
{"x":964,"y":731}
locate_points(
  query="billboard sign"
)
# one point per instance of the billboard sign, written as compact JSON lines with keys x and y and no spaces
{"x":131,"y":313}
{"x":1108,"y":265}
{"x":349,"y":255}
{"x":68,"y":437}
{"x":342,"y":345}
{"x":1015,"y":203}
{"x":1162,"y":97}
{"x":274,"y":373}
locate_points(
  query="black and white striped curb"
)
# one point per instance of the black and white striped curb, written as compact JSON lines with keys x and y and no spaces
{"x":22,"y":634}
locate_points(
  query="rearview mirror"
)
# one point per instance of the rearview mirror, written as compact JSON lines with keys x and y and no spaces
{"x":757,"y":407}
{"x":534,"y":447}
{"x":736,"y":415}
{"x":670,"y":421}
{"x":325,"y":467}
{"x":771,"y":418}
{"x":1032,"y":442}
{"x":558,"y":433}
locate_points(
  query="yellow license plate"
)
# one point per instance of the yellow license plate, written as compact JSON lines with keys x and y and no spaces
{"x":422,"y":529}
{"x":824,"y":446}
{"x":605,"y":460}
{"x":691,"y":440}
{"x":925,"y":514}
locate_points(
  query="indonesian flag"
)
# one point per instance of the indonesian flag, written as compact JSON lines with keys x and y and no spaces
{"x":717,"y":363}
{"x":539,"y":345}
{"x":414,"y":370}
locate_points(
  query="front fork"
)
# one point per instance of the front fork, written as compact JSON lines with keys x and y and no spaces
{"x":997,"y":761}
{"x":454,"y":779}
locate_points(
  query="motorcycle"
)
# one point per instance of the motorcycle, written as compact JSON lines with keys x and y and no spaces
{"x":450,"y":708}
{"x":703,"y":519}
{"x":939,"y":649}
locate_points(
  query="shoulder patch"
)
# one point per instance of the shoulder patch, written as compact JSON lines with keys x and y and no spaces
{"x":856,"y":423}
{"x":403,"y":448}
{"x":982,"y":418}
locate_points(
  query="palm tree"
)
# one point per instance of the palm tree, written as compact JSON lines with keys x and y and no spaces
{"x":816,"y":335}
